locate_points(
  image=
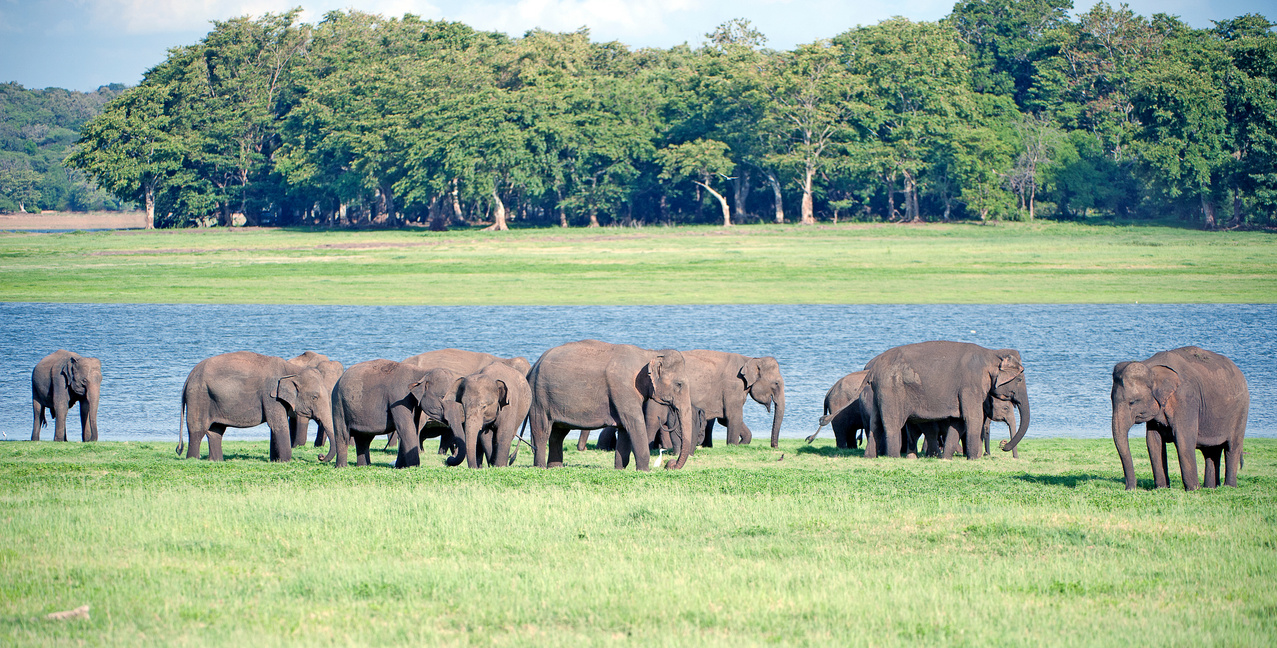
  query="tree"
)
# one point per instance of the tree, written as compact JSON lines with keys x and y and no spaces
{"x":1005,"y":39}
{"x":18,"y":185}
{"x":703,"y":159}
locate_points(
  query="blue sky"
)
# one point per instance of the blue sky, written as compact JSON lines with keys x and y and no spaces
{"x":81,"y":44}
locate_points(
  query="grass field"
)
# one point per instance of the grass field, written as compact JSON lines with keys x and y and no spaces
{"x":741,"y":548}
{"x":1039,"y":262}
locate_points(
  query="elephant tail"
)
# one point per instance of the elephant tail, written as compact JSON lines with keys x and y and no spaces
{"x":44,"y":421}
{"x":181,"y":418}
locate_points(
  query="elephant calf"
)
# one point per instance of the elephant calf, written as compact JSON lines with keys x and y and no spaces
{"x":383,"y":397}
{"x":61,"y":380}
{"x":494,"y":402}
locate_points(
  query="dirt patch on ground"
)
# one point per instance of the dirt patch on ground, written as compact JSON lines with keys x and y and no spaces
{"x":73,"y":221}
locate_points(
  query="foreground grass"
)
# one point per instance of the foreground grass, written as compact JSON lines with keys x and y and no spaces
{"x":742,"y":547}
{"x":961,"y":263}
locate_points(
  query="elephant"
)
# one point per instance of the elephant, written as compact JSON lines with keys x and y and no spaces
{"x":720,"y":384}
{"x":494,"y":403}
{"x":61,"y":380}
{"x":244,"y":389}
{"x":383,"y":396}
{"x":842,"y":410}
{"x":589,"y":384}
{"x":331,"y":370}
{"x":462,"y":363}
{"x":944,"y":437}
{"x":937,"y":380}
{"x":1194,"y":398}
{"x":607,"y":436}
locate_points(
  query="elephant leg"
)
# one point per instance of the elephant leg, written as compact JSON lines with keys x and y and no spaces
{"x":281,"y":435}
{"x":39,"y":417}
{"x":409,"y":442}
{"x":708,"y":441}
{"x":984,"y":434}
{"x":624,"y":446}
{"x":632,"y":420}
{"x":1187,"y":464}
{"x":973,"y":424}
{"x":1232,"y":461}
{"x":582,"y":440}
{"x":892,"y":425}
{"x":300,"y":426}
{"x":215,"y":432}
{"x":60,"y":411}
{"x":1157,"y":455}
{"x":952,"y":442}
{"x":1210,"y":473}
{"x":447,"y":440}
{"x":557,"y":435}
{"x":363,"y":449}
{"x":539,"y":428}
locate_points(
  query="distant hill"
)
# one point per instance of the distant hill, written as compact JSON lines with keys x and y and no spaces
{"x":37,"y":131}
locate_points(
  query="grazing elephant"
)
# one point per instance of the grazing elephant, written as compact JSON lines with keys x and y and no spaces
{"x":944,"y":437}
{"x":462,"y":363}
{"x":842,"y":410}
{"x":59,"y":381}
{"x":590,"y":384}
{"x":933,"y":381}
{"x":494,"y":402}
{"x":721,"y":382}
{"x":1191,"y":397}
{"x":665,"y":439}
{"x":243,"y":389}
{"x":331,"y":371}
{"x":382,"y":397}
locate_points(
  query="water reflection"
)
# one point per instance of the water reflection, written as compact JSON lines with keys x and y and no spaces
{"x":1068,"y":350}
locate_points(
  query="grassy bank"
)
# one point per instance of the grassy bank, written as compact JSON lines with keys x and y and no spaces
{"x":741,"y":548}
{"x":961,"y":263}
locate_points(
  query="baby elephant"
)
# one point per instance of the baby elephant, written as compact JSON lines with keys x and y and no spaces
{"x":61,"y":380}
{"x":494,"y":401}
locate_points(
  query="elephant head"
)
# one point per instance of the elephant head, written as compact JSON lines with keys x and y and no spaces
{"x":767,"y":387}
{"x":1008,"y":384}
{"x":308,"y":393}
{"x":435,"y":397}
{"x":482,"y":399}
{"x":83,"y":379}
{"x":667,"y":375}
{"x":1141,"y":394}
{"x":518,"y":363}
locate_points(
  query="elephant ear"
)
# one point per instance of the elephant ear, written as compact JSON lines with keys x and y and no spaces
{"x":503,"y":393}
{"x":752,"y":371}
{"x":1008,"y":369}
{"x":1119,"y":369}
{"x":1165,"y":382}
{"x":70,"y":371}
{"x":655,"y":367}
{"x":286,"y":391}
{"x":418,"y":390}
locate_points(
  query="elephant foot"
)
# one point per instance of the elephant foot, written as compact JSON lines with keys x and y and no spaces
{"x":911,"y":456}
{"x":554,"y":464}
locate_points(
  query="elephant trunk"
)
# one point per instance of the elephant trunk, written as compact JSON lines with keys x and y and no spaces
{"x":89,"y":422}
{"x":1021,"y":404}
{"x":779,"y":415}
{"x":457,"y":420}
{"x":1122,"y":423}
{"x":686,"y":424}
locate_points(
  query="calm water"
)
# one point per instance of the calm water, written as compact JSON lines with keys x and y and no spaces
{"x":1069,"y":351}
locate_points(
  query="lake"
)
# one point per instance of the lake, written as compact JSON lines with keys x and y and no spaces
{"x":1068,"y":350}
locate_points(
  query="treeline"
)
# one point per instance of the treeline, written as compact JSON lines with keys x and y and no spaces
{"x":1002,"y":110}
{"x":37,"y":131}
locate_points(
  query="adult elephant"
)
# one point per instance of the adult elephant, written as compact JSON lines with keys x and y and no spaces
{"x":462,"y":363}
{"x":590,"y":384}
{"x":842,"y":410}
{"x":243,"y":389}
{"x":494,"y":402}
{"x":722,"y":381}
{"x":937,"y":380}
{"x":1194,"y":398}
{"x":59,"y":381}
{"x":382,"y":397}
{"x":331,"y":370}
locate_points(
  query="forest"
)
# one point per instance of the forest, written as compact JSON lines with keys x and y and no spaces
{"x":1002,"y":110}
{"x":37,"y":130}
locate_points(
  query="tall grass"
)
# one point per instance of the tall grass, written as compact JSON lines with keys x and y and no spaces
{"x":748,"y":545}
{"x":959,"y":263}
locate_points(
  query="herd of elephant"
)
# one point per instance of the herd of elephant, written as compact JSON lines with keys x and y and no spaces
{"x":944,"y":393}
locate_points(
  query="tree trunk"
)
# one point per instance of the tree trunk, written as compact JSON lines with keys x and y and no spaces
{"x":808,"y":210}
{"x":498,"y":214}
{"x":456,"y":201}
{"x":911,"y":199}
{"x":1236,"y":220}
{"x":1208,"y":210}
{"x":722,"y":202}
{"x":150,"y":207}
{"x":665,"y":209}
{"x":388,"y":205}
{"x":438,"y":217}
{"x":890,"y":184}
{"x":780,"y":210}
{"x":1033,"y":192}
{"x":742,"y":191}
{"x":594,"y":218}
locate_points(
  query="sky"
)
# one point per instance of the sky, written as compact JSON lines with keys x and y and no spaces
{"x":83,"y":44}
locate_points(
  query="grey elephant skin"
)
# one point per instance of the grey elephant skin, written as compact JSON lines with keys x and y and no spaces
{"x":494,"y":403}
{"x":590,"y":384}
{"x":243,"y":389}
{"x":462,"y":363}
{"x":722,"y":381}
{"x":938,"y":380}
{"x":1194,"y":398}
{"x":383,"y":397}
{"x":944,"y":437}
{"x":61,"y":380}
{"x":331,"y":370}
{"x":842,"y":410}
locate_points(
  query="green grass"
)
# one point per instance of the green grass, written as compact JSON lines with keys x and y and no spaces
{"x":1039,"y":262}
{"x":822,"y":547}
